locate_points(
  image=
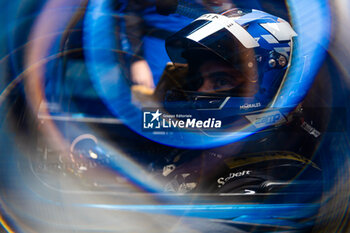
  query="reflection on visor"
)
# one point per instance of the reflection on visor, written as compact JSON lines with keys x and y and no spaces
{"x":214,"y":32}
{"x":219,"y":22}
{"x":196,"y":100}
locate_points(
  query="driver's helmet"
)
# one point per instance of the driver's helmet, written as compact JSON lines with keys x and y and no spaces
{"x":236,"y":59}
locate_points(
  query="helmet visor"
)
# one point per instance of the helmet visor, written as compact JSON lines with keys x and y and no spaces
{"x":217,"y":33}
{"x":219,"y":54}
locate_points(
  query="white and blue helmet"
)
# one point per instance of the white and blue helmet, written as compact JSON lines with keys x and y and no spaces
{"x":257,"y":44}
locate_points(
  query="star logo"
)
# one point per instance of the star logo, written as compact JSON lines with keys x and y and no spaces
{"x":156,"y":115}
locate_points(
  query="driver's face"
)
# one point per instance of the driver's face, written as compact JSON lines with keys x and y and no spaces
{"x":217,"y":76}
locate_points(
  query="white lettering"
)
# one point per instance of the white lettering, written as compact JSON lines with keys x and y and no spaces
{"x":199,"y":124}
{"x":181,"y":124}
{"x":206,"y":124}
{"x":218,"y":124}
{"x":247,"y":106}
{"x":221,"y":181}
{"x":190,"y":123}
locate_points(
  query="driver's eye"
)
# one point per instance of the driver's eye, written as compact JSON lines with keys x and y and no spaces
{"x":222,"y":81}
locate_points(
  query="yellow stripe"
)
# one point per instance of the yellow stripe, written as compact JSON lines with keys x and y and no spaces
{"x":268,"y":156}
{"x":5,"y":225}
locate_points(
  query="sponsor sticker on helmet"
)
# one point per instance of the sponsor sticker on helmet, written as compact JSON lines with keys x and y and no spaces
{"x":266,"y":119}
